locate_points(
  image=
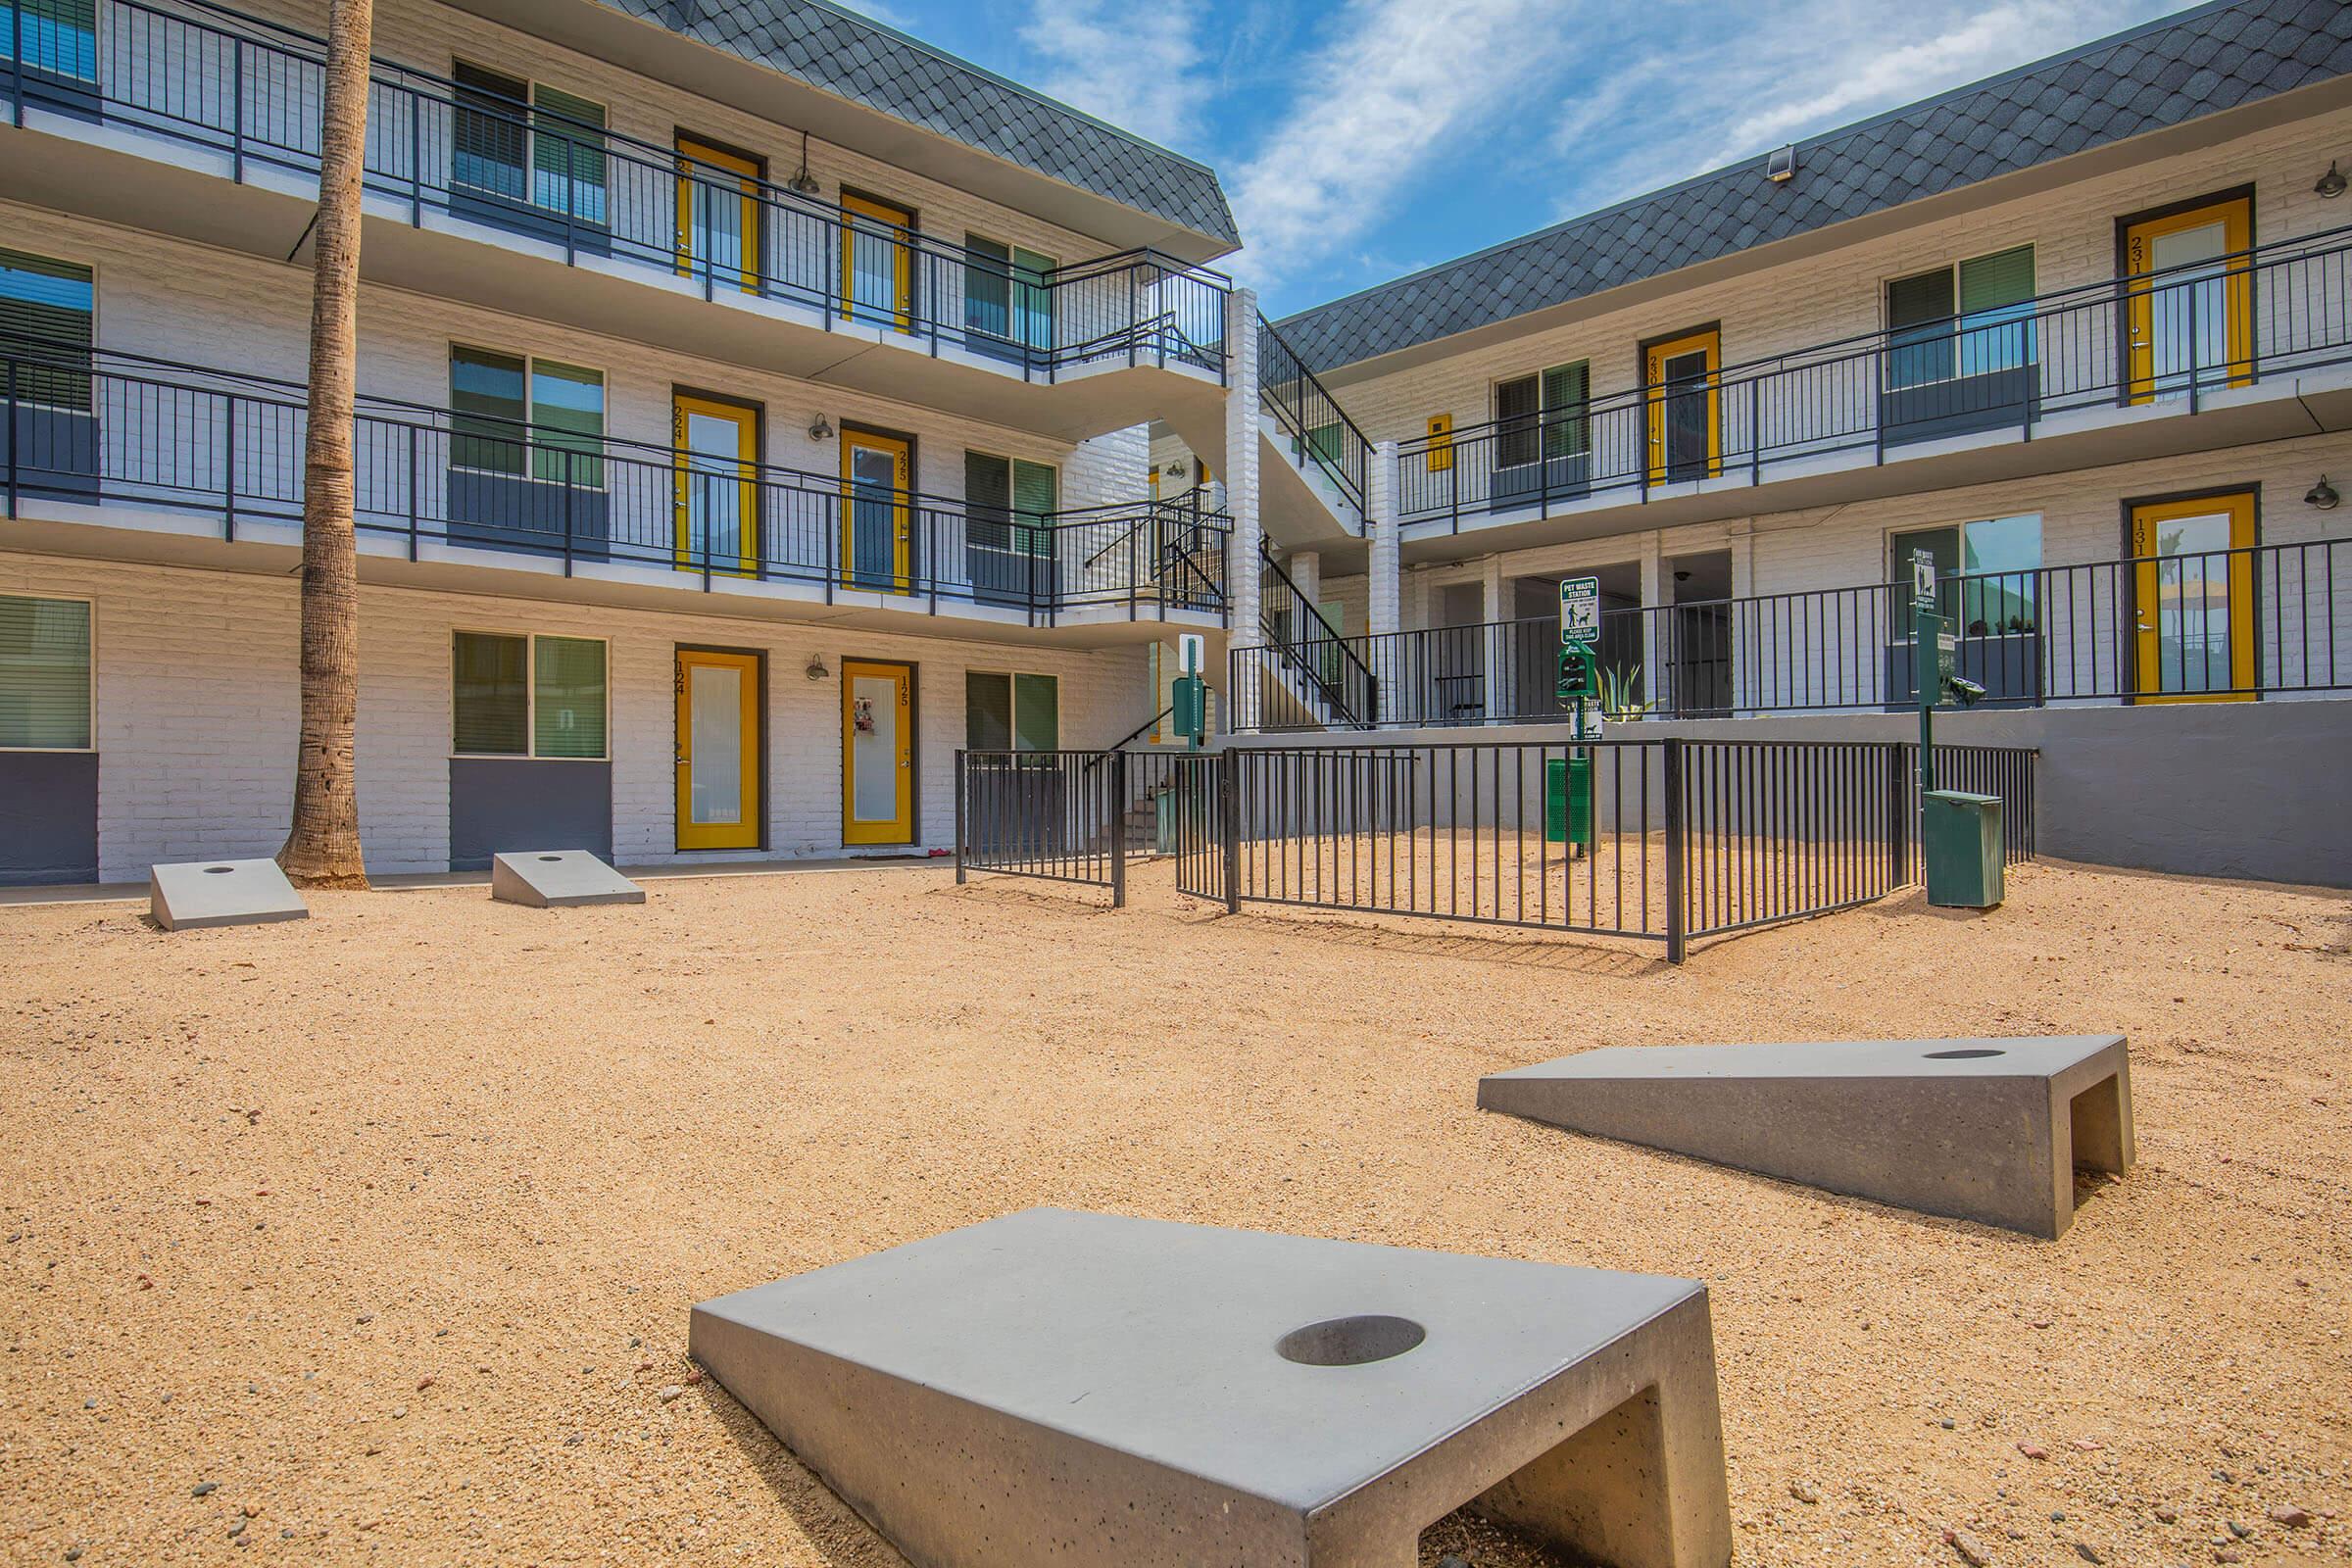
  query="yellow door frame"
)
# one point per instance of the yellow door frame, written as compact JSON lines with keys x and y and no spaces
{"x":1654,"y":356}
{"x":901,"y":828}
{"x":2139,"y":247}
{"x":692,"y":151}
{"x":2145,"y":516}
{"x":902,"y":507}
{"x":746,"y":420}
{"x":901,"y":218}
{"x":746,"y":834}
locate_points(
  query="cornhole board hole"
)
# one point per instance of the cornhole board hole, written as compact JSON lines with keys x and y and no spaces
{"x":197,"y":894}
{"x":1095,"y":1392}
{"x":559,"y":879}
{"x":1987,"y":1130}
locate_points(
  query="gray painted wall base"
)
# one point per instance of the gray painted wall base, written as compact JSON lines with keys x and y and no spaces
{"x":198,"y":894}
{"x":559,"y":879}
{"x":1988,"y":1130}
{"x":48,"y":817}
{"x":1108,"y":1393}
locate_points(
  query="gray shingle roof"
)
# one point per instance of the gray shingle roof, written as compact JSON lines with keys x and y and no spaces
{"x":863,"y":60}
{"x":2168,"y":72}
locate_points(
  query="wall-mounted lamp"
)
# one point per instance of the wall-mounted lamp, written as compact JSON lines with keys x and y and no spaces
{"x":804,"y":181}
{"x":1175,"y":470}
{"x":2321,"y":495}
{"x":2332,"y":183}
{"x":1780,"y":165}
{"x":821,"y":429}
{"x":816,"y":669}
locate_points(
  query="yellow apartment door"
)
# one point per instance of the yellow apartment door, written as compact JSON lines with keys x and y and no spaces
{"x":718,"y":750}
{"x":877,"y":753}
{"x":716,"y":454}
{"x":1685,"y":407}
{"x":718,"y":215}
{"x":2193,"y":596}
{"x":2193,"y":324}
{"x":877,"y":511}
{"x":877,"y":263}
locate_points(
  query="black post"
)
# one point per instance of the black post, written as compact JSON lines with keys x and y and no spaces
{"x":1898,"y":817}
{"x":1677,"y":914}
{"x":1118,"y":830}
{"x":960,"y":817}
{"x":1229,"y":809}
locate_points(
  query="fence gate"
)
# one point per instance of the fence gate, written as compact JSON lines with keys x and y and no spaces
{"x":1201,"y":800}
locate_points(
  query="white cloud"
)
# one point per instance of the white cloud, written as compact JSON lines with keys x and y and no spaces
{"x":1399,"y":87}
{"x":1138,"y":66}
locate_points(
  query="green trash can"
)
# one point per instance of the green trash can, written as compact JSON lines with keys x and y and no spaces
{"x":1960,"y":836}
{"x":1568,"y":800}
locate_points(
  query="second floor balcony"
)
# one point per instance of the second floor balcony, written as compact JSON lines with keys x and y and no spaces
{"x":146,"y":446}
{"x":480,"y":159}
{"x":2250,"y":346}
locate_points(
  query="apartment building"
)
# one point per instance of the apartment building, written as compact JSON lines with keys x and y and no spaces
{"x":2082,"y":331}
{"x":753,"y":413}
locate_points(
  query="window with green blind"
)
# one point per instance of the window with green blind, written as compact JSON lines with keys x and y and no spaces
{"x":54,"y":37}
{"x":528,"y":696}
{"x":1544,"y":412}
{"x":493,"y":395}
{"x":1010,"y":502}
{"x":567,"y":154}
{"x":1016,"y":713}
{"x":44,"y":674}
{"x":1006,"y":293}
{"x":529,"y":142}
{"x":47,"y":314}
{"x":1968,"y":320}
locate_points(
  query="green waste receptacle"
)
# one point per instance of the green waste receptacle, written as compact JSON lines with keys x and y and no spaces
{"x":1960,"y":837}
{"x":1568,"y":800}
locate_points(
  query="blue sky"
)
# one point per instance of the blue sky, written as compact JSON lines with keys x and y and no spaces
{"x":1366,"y":138}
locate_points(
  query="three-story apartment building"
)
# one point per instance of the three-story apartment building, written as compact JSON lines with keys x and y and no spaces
{"x":2082,"y":331}
{"x":752,"y":414}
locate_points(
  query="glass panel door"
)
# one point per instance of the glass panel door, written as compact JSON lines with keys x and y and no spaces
{"x":2194,"y":599}
{"x":2190,"y":323}
{"x":877,"y":521}
{"x":716,"y":459}
{"x":718,"y":750}
{"x":877,"y":268}
{"x":877,"y":750}
{"x":718,"y":215}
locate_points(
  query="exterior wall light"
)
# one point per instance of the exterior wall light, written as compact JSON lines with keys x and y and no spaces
{"x":2321,"y":495}
{"x":816,"y":669}
{"x":1781,"y":166}
{"x":2332,"y":183}
{"x":822,"y":430}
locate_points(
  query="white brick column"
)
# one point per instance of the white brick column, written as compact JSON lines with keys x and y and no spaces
{"x":1495,"y":675}
{"x":1384,"y":593}
{"x":1240,"y":476}
{"x":1657,"y":622}
{"x":1305,"y":567}
{"x":1747,"y":686}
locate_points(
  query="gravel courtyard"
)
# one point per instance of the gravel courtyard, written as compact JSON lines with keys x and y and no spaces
{"x":372,"y":1239}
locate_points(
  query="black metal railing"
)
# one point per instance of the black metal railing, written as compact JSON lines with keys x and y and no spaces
{"x":1305,"y":665}
{"x":97,"y":427}
{"x":2181,"y":336}
{"x":1319,"y":429}
{"x":250,"y":91}
{"x":2264,"y":619}
{"x":1055,"y":816}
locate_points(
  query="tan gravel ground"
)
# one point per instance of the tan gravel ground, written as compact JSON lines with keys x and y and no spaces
{"x":384,"y":1227}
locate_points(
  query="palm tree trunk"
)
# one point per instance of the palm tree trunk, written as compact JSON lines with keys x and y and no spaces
{"x":322,"y":850}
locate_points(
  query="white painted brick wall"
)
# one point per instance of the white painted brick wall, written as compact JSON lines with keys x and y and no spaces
{"x":198,"y":693}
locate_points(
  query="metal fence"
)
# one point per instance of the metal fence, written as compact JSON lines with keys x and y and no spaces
{"x":2269,"y":619}
{"x":87,"y":425}
{"x":2181,"y":334}
{"x":250,"y":91}
{"x":1681,"y":839}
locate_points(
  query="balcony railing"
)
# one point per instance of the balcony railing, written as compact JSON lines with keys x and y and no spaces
{"x":97,"y":428}
{"x":250,"y":91}
{"x":1305,"y":660}
{"x":1319,"y":429}
{"x":2172,"y":339}
{"x":2270,"y":620}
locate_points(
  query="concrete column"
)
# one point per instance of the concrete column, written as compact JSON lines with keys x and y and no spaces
{"x":1383,"y":592}
{"x":1657,"y":622}
{"x":1496,"y":673}
{"x":1305,"y":567}
{"x":1240,"y":477}
{"x":1751,"y":643}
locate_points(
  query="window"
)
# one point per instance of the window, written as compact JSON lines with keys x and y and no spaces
{"x":1009,"y":502}
{"x":1998,"y":560}
{"x":529,"y":143}
{"x":1970,"y":319}
{"x":55,"y":37}
{"x":1012,"y":712}
{"x":566,"y":407}
{"x":1547,"y":408}
{"x":44,"y":674}
{"x":51,"y":304}
{"x":519,"y":695}
{"x":1004,"y":292}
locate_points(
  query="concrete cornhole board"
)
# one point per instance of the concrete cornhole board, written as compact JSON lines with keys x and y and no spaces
{"x":1988,"y":1130}
{"x":197,"y":894}
{"x":1108,"y":1393}
{"x":559,"y":879}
